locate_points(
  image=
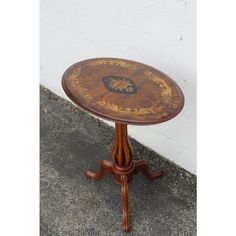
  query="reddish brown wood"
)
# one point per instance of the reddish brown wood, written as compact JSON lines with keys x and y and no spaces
{"x":142,"y":165}
{"x":124,"y":194}
{"x":123,"y":91}
{"x":122,"y":152}
{"x":105,"y":168}
{"x":126,"y":92}
{"x":123,"y":167}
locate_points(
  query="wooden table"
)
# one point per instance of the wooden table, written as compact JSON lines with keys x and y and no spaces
{"x":125,"y":92}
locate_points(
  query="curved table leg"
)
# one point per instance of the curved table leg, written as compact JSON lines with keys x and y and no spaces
{"x":124,"y":193}
{"x":142,"y":165}
{"x":105,"y":168}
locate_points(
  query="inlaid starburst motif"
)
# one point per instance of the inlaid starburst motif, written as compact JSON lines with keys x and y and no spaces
{"x":119,"y":84}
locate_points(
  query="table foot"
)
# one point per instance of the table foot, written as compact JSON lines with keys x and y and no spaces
{"x":123,"y":167}
{"x":105,"y":168}
{"x":124,"y":194}
{"x":142,"y":166}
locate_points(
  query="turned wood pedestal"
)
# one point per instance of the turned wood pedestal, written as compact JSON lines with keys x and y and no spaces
{"x":123,"y":167}
{"x":125,"y":92}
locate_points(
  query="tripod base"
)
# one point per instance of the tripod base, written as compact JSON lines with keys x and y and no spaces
{"x":123,"y":167}
{"x":122,"y":176}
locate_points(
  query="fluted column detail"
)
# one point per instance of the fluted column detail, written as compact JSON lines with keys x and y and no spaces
{"x":122,"y":153}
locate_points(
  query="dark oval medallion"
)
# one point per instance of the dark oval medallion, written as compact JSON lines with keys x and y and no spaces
{"x":119,"y":84}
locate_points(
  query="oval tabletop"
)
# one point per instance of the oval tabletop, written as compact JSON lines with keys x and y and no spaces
{"x":123,"y":91}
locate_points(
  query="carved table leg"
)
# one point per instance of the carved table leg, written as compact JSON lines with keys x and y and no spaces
{"x":142,"y":165}
{"x":123,"y":167}
{"x":105,"y":168}
{"x":124,"y":193}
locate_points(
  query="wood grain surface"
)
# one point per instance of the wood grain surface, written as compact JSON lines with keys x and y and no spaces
{"x":123,"y":91}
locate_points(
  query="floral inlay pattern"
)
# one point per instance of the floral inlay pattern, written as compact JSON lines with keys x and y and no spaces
{"x":118,"y":84}
{"x":105,"y":86}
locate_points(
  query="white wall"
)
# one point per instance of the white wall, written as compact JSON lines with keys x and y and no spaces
{"x":160,"y":33}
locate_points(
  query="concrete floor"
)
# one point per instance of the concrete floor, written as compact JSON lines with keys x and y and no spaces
{"x":71,"y":141}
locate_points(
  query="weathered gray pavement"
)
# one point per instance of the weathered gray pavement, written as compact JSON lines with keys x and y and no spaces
{"x":72,"y":142}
